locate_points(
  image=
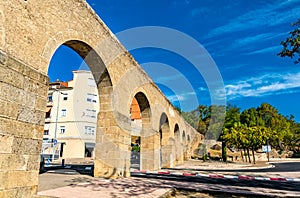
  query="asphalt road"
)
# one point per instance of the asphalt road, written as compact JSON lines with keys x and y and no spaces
{"x":285,"y":167}
{"x":278,"y":185}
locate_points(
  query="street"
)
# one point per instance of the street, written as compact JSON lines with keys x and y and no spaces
{"x":60,"y":178}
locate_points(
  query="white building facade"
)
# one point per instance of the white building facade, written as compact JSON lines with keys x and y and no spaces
{"x":71,"y":117}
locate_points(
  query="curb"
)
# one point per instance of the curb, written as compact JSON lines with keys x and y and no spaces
{"x":216,"y":176}
{"x":226,"y":168}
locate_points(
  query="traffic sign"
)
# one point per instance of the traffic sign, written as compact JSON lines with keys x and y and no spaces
{"x":266,"y":148}
{"x":55,"y":142}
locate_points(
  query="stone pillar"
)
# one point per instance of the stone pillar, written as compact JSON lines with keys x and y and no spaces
{"x":179,"y":153}
{"x":167,"y":156}
{"x":112,"y":150}
{"x":172,"y":153}
{"x":23,"y":95}
{"x":150,"y":150}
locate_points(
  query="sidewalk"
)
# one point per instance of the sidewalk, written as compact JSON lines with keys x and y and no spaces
{"x":215,"y":165}
{"x":149,"y":188}
{"x":57,"y":185}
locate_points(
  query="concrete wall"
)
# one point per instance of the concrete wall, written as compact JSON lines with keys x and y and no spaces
{"x":30,"y":33}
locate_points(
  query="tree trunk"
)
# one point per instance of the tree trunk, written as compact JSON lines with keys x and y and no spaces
{"x":224,"y":151}
{"x":248,"y":155}
{"x":253,"y":155}
{"x":242,"y":156}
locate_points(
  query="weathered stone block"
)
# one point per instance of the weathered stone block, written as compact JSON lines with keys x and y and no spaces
{"x":6,"y":143}
{"x":11,"y":77}
{"x":7,"y":109}
{"x":21,"y":179}
{"x":13,"y":162}
{"x":3,"y":178}
{"x":19,"y":192}
{"x":30,"y":115}
{"x":14,"y":94}
{"x":33,"y":162}
{"x":26,"y":146}
{"x":40,"y":103}
{"x":20,"y":129}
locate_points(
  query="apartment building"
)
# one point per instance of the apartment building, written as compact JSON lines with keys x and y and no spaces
{"x":71,"y":117}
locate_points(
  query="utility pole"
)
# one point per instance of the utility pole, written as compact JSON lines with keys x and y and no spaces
{"x":56,"y":121}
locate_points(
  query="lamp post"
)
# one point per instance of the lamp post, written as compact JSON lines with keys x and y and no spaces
{"x":56,"y":121}
{"x":268,"y":154}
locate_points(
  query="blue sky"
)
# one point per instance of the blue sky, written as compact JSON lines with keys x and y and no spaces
{"x":243,"y":38}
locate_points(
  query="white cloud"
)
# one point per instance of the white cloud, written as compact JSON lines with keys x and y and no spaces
{"x":181,"y":97}
{"x":274,"y":49}
{"x":202,"y":89}
{"x":270,"y":15}
{"x":247,"y":41}
{"x":269,"y":84}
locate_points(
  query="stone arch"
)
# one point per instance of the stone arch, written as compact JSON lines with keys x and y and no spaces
{"x":165,"y":147}
{"x":144,"y":107}
{"x":178,"y":145}
{"x":183,"y":138}
{"x":188,"y":138}
{"x":106,"y":140}
{"x":177,"y":132}
{"x":135,"y":132}
{"x":148,"y":137}
{"x":164,"y":129}
{"x":86,"y":52}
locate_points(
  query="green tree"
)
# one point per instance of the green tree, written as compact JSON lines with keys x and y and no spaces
{"x":294,"y":140}
{"x":229,"y":133}
{"x":278,"y":126}
{"x":291,"y":46}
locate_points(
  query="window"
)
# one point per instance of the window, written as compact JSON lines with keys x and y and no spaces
{"x":91,"y":82}
{"x":90,"y":113}
{"x":63,"y":113}
{"x":48,"y":112}
{"x":62,"y":129}
{"x":89,"y":130}
{"x":91,"y":98}
{"x":65,"y":96}
{"x":50,"y":98}
{"x":46,"y":132}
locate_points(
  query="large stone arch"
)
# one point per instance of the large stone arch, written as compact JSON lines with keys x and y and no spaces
{"x":30,"y":33}
{"x":149,"y":138}
{"x":164,"y":131}
{"x":111,"y":151}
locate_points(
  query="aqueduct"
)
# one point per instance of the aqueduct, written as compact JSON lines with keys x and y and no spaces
{"x":30,"y":33}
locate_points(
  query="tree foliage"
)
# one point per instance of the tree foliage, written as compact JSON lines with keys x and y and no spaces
{"x":291,"y":45}
{"x":250,"y":129}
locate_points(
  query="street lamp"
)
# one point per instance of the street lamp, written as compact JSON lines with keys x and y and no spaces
{"x":56,"y":121}
{"x":268,"y":154}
